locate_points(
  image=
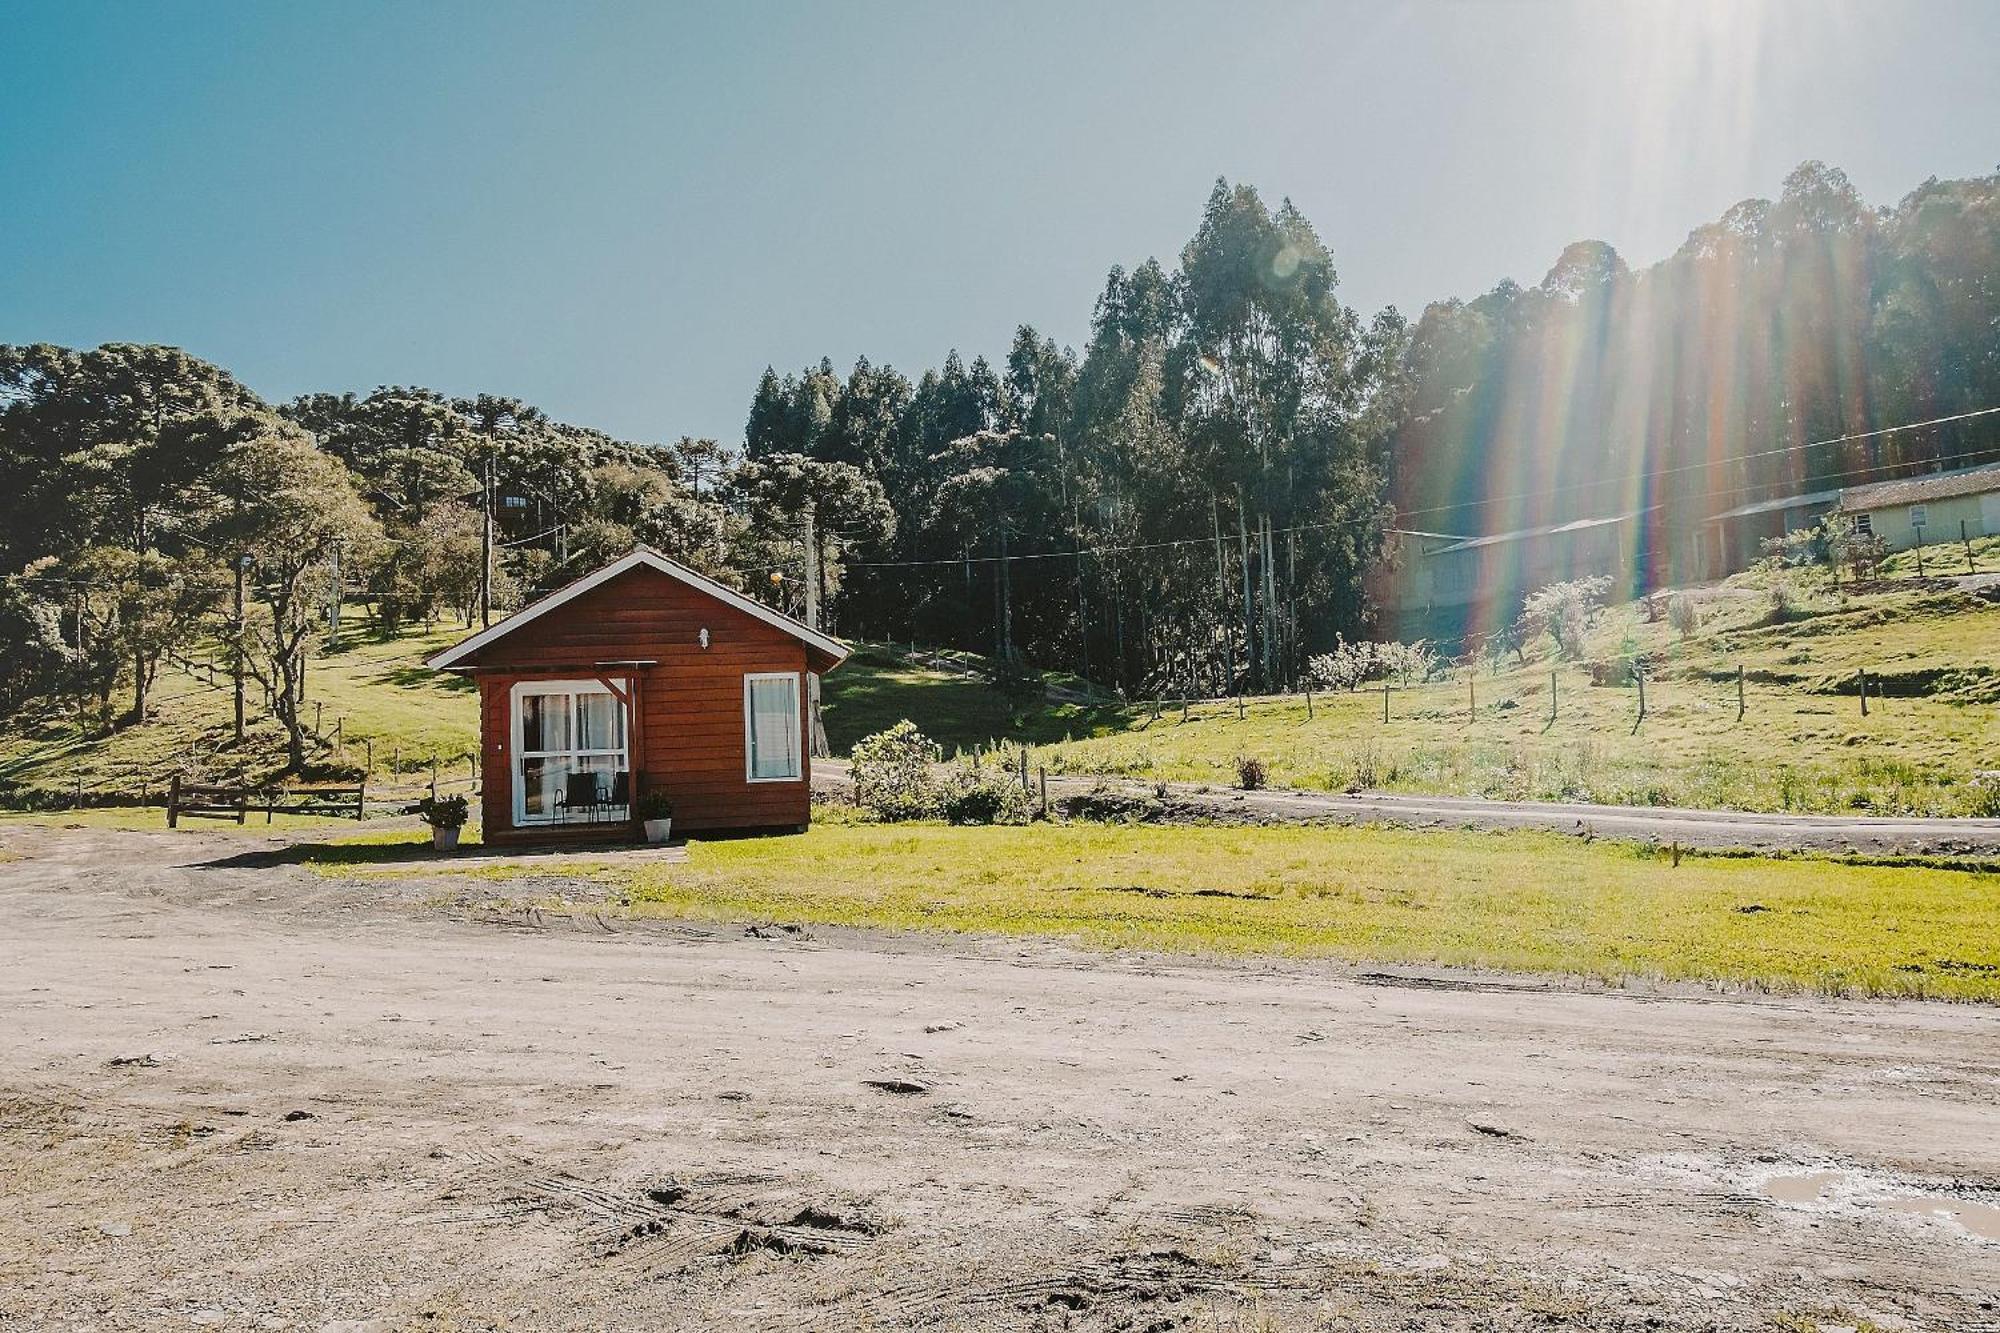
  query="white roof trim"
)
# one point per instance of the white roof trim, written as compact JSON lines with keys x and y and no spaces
{"x":651,"y":559}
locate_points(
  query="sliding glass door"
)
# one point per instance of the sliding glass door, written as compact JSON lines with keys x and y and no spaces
{"x":570,"y":760}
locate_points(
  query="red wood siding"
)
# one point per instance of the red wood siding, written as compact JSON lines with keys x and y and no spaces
{"x":688,"y":736}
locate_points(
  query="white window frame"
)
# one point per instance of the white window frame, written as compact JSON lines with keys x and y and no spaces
{"x":516,"y":778}
{"x":750,"y":725}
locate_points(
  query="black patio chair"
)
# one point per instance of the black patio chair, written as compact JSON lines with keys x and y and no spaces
{"x":591,"y":798}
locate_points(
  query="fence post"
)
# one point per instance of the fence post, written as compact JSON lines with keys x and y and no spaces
{"x":1864,"y":691}
{"x":1043,"y":770}
{"x":1966,"y":542}
{"x":434,"y":777}
{"x":1471,"y":696}
{"x":1639,"y":674}
{"x":340,"y":735}
{"x":319,"y":733}
{"x":1239,"y":708}
{"x":1309,"y":703}
{"x":174,"y":801}
{"x":1024,"y":763}
{"x":1552,"y":696}
{"x":370,"y":744}
{"x":1385,"y":701}
{"x":361,"y":799}
{"x":1739,"y":691}
{"x":79,"y":794}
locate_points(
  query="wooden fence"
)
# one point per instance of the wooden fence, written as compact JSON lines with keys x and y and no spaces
{"x":208,"y":800}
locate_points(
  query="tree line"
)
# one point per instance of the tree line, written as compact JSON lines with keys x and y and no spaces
{"x":1189,"y":504}
{"x":1757,"y":361}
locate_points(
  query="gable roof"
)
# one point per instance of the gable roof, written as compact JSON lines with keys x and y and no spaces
{"x":1553,"y":530}
{"x":1916,"y":490}
{"x":641,"y":557}
{"x":1774,"y":504}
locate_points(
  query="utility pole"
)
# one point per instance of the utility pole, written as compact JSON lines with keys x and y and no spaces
{"x":820,"y":749}
{"x":241,"y":563}
{"x":812,"y":568}
{"x":486,"y":544}
{"x":1249,"y":599}
{"x":333,"y":607}
{"x":1006,"y":597}
{"x":1082,"y":619}
{"x":1267,"y":560}
{"x":1222,"y":595}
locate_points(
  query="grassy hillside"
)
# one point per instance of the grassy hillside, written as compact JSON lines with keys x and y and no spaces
{"x":373,"y":690}
{"x":1802,"y":743}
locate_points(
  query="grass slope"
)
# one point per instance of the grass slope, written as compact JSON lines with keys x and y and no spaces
{"x":1801,"y":744}
{"x":375,"y":688}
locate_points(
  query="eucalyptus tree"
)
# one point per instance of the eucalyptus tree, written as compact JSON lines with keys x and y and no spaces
{"x":1265,"y":369}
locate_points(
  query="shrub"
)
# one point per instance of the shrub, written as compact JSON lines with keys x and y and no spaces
{"x":1794,"y":550}
{"x":1249,"y":772}
{"x":893,"y":773}
{"x":1683,"y":615}
{"x":1564,"y":611}
{"x":1779,"y":590}
{"x":1352,"y":664}
{"x":981,"y":800}
{"x":1406,"y":661}
{"x":1983,"y":802}
{"x":655,"y":805}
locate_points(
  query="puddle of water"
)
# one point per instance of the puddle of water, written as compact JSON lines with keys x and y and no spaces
{"x":1801,"y":1189}
{"x":1981,"y":1219}
{"x":1841,"y":1190}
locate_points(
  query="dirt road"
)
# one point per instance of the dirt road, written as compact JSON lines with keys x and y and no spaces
{"x":1661,"y":824}
{"x":236,"y":1095}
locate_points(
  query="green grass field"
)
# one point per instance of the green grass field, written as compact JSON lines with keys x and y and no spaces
{"x":1527,"y":902}
{"x":1802,"y":743}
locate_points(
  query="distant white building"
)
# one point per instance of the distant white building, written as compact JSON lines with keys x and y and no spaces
{"x":1938,"y":507}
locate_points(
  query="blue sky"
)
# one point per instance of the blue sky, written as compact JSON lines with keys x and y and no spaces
{"x":623,"y":212}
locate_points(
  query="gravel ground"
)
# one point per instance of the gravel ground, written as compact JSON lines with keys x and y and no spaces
{"x":238,"y":1095}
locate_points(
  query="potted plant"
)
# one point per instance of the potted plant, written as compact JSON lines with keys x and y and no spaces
{"x":658,"y":814}
{"x":446,"y":815}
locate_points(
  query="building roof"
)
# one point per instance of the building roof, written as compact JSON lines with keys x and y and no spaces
{"x":1526,"y":534}
{"x":1775,"y":503}
{"x":647,"y":557}
{"x":1916,"y":490}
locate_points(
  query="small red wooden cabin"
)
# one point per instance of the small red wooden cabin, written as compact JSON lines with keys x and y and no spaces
{"x":643,"y":676}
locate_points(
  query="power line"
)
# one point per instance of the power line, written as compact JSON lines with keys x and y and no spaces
{"x":958,"y":561}
{"x":1697,"y":467}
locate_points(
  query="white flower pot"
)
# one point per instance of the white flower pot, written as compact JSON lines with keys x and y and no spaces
{"x":445,"y":839}
{"x":658,"y":830}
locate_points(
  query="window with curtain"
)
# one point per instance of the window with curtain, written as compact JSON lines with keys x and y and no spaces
{"x":771,"y":727}
{"x":569,"y":752}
